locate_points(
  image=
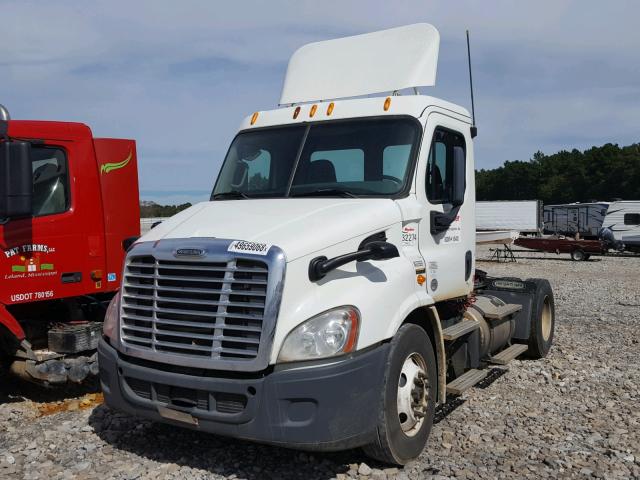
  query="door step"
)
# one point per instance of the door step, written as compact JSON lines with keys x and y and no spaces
{"x":459,"y":329}
{"x":503,"y":311}
{"x":509,"y":354}
{"x":466,"y":381}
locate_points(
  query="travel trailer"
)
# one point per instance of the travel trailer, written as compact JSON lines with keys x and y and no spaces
{"x":623,"y":219}
{"x":570,"y":219}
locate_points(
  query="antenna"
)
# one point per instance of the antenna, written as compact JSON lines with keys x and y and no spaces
{"x":474,"y":129}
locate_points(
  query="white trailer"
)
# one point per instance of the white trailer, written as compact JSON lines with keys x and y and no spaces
{"x":326,"y":297}
{"x":623,"y":219}
{"x":519,"y":216}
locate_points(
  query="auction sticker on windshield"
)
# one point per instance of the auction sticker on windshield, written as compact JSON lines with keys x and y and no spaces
{"x":240,"y":246}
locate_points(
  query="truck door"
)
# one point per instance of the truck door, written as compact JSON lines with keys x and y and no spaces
{"x":450,"y":254}
{"x":51,"y":254}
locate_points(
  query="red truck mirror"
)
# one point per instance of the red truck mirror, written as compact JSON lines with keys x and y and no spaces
{"x":16,"y":179}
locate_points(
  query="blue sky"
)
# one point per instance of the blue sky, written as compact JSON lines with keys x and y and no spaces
{"x":179,"y":76}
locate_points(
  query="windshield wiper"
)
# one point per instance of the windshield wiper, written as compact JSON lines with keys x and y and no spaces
{"x":325,"y":192}
{"x":230,"y":194}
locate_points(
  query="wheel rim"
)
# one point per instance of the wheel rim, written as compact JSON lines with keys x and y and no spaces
{"x":413,"y":394}
{"x":547,"y":319}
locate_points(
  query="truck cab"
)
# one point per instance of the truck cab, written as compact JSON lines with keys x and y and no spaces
{"x":326,"y":297}
{"x":67,"y":203}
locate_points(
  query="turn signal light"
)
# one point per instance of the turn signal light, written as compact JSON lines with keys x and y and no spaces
{"x":254,"y":117}
{"x":421,"y":279}
{"x":387,"y":104}
{"x":96,"y":275}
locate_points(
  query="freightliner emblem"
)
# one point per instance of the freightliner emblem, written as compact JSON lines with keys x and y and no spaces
{"x":190,"y":252}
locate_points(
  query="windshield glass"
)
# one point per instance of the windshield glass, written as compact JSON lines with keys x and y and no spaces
{"x":343,"y":158}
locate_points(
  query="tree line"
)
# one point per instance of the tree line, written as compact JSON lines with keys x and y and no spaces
{"x":599,"y":173}
{"x":152,"y":209}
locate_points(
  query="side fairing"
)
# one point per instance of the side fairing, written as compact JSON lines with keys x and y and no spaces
{"x":118,"y":177}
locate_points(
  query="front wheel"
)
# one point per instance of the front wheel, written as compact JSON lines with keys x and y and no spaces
{"x":408,"y":398}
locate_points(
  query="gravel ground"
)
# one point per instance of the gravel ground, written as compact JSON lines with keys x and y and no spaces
{"x":574,"y":414}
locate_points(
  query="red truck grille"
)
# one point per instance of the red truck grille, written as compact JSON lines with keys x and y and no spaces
{"x":194,"y":308}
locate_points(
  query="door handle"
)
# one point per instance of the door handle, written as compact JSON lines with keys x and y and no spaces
{"x":72,"y":277}
{"x":467,"y":265}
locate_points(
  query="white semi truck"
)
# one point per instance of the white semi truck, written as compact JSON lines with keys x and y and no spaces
{"x":326,"y":297}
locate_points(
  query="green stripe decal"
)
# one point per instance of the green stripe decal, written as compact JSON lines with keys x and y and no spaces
{"x":110,"y":167}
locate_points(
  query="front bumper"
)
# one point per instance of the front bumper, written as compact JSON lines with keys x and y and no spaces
{"x":330,"y":406}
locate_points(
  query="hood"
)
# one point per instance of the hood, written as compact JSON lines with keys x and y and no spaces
{"x":300,"y":226}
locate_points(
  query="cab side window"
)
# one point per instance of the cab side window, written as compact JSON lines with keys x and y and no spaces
{"x":50,"y":181}
{"x":445,"y":146}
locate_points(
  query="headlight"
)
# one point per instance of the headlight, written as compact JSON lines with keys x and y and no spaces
{"x":110,"y":325}
{"x":333,"y":332}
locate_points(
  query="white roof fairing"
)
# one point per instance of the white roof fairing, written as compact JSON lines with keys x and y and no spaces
{"x":376,"y":62}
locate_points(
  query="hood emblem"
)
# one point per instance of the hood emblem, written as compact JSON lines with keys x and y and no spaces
{"x":190,"y":252}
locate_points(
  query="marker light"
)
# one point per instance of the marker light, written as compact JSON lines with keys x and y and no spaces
{"x":330,"y":109}
{"x":387,"y":104}
{"x":421,"y":279}
{"x":312,"y":112}
{"x":296,"y":112}
{"x":254,"y":117}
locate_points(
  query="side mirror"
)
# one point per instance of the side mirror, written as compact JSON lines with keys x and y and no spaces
{"x":381,"y":250}
{"x":127,"y":243}
{"x":459,"y":176}
{"x":240,"y":174}
{"x":16,"y":179}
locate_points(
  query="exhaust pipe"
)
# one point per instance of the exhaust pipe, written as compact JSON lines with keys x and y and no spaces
{"x":4,"y":113}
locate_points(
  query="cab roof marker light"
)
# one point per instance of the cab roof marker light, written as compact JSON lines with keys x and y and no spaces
{"x":312,"y":112}
{"x":254,"y":117}
{"x":296,"y":112}
{"x":330,"y":109}
{"x":387,"y":104}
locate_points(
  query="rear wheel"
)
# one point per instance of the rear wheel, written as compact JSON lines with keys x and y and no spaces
{"x":407,"y":403}
{"x":578,"y":255}
{"x":543,"y":319}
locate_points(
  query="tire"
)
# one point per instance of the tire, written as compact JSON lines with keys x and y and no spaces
{"x":543,"y":319}
{"x":401,"y":437}
{"x":587,"y":256}
{"x":578,"y":255}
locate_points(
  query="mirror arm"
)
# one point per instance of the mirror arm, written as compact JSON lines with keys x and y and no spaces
{"x":320,"y":266}
{"x":377,"y":250}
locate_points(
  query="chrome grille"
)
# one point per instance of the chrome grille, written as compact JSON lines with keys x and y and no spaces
{"x":194,"y":308}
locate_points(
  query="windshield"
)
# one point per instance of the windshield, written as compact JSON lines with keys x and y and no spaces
{"x":344,"y":158}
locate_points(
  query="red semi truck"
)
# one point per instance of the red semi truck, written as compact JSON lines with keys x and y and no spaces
{"x":68,"y":210}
